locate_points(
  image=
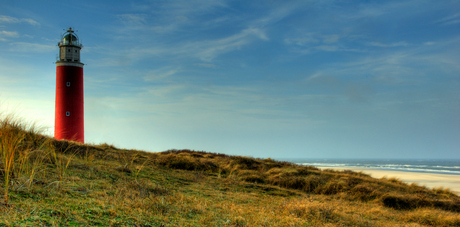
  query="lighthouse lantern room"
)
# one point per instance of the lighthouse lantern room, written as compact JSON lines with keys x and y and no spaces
{"x":69,"y":110}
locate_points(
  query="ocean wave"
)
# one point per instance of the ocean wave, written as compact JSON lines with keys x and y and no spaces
{"x":442,"y":169}
{"x":448,"y":167}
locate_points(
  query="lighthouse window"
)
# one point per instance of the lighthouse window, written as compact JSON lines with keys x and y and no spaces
{"x":75,"y":51}
{"x":67,"y":113}
{"x":68,"y":84}
{"x":69,"y":50}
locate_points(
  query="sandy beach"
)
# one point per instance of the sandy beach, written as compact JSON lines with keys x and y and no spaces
{"x":430,"y":180}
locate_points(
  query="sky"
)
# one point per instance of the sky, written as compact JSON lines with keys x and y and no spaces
{"x":278,"y":79}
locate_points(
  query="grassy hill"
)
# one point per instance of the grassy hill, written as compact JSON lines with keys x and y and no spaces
{"x":46,"y":182}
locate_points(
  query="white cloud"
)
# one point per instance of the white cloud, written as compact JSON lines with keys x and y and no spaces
{"x":327,"y":48}
{"x":331,"y":38}
{"x":311,"y":38}
{"x":31,"y":47}
{"x":161,"y":74}
{"x":208,"y":50}
{"x":336,"y":48}
{"x":279,"y":12}
{"x":8,"y":19}
{"x":323,"y":79}
{"x":30,"y":21}
{"x":208,"y":65}
{"x":308,"y":42}
{"x":384,"y":8}
{"x":449,"y":20}
{"x":452,"y":22}
{"x":9,"y":34}
{"x":132,"y":19}
{"x":378,"y":44}
{"x":306,"y":39}
{"x":370,"y":12}
{"x":191,"y":7}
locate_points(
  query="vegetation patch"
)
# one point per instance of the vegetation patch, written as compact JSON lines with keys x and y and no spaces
{"x":61,"y":183}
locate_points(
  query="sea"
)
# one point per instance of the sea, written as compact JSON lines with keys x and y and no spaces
{"x":408,"y":165}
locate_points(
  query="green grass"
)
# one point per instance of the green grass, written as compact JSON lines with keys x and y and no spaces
{"x":62,"y":183}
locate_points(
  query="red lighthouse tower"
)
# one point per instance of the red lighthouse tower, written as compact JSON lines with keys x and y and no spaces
{"x":69,"y":113}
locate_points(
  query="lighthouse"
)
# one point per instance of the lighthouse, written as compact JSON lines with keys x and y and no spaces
{"x":69,"y":110}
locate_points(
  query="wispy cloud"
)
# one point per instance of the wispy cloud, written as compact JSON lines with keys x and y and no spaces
{"x":369,"y":78}
{"x":205,"y":50}
{"x":210,"y":49}
{"x":8,"y":19}
{"x":331,"y":38}
{"x":278,"y":12}
{"x":352,"y":29}
{"x":9,"y":34}
{"x":410,"y":66}
{"x":312,"y":42}
{"x":304,"y":40}
{"x":168,"y":17}
{"x":311,"y":38}
{"x":378,"y":44}
{"x":132,"y":19}
{"x":384,"y":8}
{"x":31,"y":47}
{"x":450,"y":20}
{"x":207,"y":65}
{"x":190,"y":7}
{"x":161,"y":74}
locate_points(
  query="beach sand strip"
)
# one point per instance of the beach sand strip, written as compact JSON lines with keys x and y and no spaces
{"x":430,"y":180}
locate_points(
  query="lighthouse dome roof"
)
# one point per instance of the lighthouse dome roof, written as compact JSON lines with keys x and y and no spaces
{"x":70,"y":38}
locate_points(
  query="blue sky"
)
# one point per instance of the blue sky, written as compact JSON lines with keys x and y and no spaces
{"x":280,"y":79}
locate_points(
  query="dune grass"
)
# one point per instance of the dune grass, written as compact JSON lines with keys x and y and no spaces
{"x":60,"y":183}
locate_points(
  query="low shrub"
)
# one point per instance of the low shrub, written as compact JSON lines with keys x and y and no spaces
{"x":332,"y":188}
{"x":253,"y":178}
{"x":246,"y":162}
{"x":186,"y":162}
{"x":291,"y":182}
{"x":363,"y":192}
{"x":413,"y":201}
{"x":312,"y":182}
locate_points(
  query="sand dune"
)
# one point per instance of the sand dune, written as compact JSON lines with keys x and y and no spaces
{"x":430,"y":180}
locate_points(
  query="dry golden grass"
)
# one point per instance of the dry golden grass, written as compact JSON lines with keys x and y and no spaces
{"x":61,"y":183}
